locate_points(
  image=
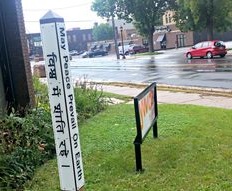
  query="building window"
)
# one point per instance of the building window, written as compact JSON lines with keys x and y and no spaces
{"x":166,"y":19}
{"x":38,"y":44}
{"x":89,"y":37}
{"x":181,"y":40}
{"x":84,"y":37}
{"x":74,"y":38}
{"x":169,"y":18}
{"x":69,"y":38}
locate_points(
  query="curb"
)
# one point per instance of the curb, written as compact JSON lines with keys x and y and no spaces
{"x":200,"y":90}
{"x":174,"y":88}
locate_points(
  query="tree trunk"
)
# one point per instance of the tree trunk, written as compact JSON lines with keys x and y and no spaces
{"x":209,"y":33}
{"x":150,"y":41}
{"x":115,"y":38}
{"x":210,"y":23}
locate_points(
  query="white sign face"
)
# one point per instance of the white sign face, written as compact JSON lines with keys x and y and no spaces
{"x":62,"y":103}
{"x":146,"y":112}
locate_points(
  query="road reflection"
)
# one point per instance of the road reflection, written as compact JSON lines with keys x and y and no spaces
{"x":168,"y":68}
{"x":207,"y":65}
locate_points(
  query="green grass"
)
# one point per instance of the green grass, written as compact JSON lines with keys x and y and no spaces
{"x":117,"y":96}
{"x":193,"y":152}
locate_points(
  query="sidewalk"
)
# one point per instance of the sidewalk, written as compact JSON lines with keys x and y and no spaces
{"x":176,"y":97}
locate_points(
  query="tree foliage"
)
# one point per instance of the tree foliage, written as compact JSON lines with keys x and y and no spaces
{"x":146,"y":15}
{"x":108,"y":9}
{"x":105,"y":8}
{"x":103,"y":32}
{"x":197,"y":15}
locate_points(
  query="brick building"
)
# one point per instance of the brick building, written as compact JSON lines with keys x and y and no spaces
{"x":78,"y":39}
{"x":165,"y":36}
{"x":34,"y":44}
{"x":169,"y":36}
{"x":15,"y":71}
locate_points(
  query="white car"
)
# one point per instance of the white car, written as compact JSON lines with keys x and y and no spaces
{"x":126,"y":49}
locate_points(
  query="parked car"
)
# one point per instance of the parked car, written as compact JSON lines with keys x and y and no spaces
{"x":134,"y":49}
{"x":126,"y":49}
{"x":97,"y":52}
{"x":93,"y":53}
{"x":207,"y":49}
{"x":85,"y":54}
{"x":73,"y":53}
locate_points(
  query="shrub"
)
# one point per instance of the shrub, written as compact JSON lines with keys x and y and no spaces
{"x":41,"y":94}
{"x":26,"y":143}
{"x":89,"y":100}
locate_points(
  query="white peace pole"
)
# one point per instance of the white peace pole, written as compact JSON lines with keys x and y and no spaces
{"x":62,"y":102}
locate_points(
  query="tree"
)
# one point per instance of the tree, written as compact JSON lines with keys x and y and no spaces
{"x":103,"y":32}
{"x":107,"y":9}
{"x":146,"y":15}
{"x":198,"y":15}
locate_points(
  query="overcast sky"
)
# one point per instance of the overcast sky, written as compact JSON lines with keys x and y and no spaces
{"x":76,"y":13}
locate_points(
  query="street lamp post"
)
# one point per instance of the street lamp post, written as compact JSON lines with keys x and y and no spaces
{"x":115,"y":38}
{"x":123,"y":54}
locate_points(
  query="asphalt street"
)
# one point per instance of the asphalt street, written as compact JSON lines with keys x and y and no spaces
{"x":169,"y":67}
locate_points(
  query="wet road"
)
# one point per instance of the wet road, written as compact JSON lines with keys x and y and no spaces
{"x":171,"y":67}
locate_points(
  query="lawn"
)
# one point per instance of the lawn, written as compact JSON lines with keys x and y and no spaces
{"x":193,"y":152}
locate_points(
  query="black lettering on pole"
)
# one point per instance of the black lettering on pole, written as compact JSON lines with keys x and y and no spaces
{"x":62,"y":39}
{"x":71,"y":110}
{"x":66,"y":72}
{"x":79,"y":171}
{"x":66,"y":60}
{"x":60,"y":124}
{"x":75,"y":139}
{"x":63,"y":151}
{"x":56,"y":91}
{"x":52,"y":65}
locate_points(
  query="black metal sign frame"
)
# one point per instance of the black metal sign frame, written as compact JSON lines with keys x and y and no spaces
{"x":150,"y":96}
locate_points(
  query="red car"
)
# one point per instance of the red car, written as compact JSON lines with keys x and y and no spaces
{"x":134,"y":49}
{"x":207,"y":49}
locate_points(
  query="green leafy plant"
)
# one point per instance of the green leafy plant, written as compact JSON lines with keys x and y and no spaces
{"x":89,"y":99}
{"x":41,"y":94}
{"x":28,"y":142}
{"x":25,"y":144}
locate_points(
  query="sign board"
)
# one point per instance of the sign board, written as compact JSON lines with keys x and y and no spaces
{"x":146,"y":111}
{"x":62,"y":102}
{"x":146,"y":114}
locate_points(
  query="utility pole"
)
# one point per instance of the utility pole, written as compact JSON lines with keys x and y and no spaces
{"x":115,"y":38}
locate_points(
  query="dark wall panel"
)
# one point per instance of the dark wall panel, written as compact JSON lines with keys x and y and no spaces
{"x":14,"y":55}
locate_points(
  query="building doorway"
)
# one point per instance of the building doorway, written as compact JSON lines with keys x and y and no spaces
{"x":181,"y":40}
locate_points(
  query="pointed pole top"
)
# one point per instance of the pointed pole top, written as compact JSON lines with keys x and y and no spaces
{"x":51,"y":17}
